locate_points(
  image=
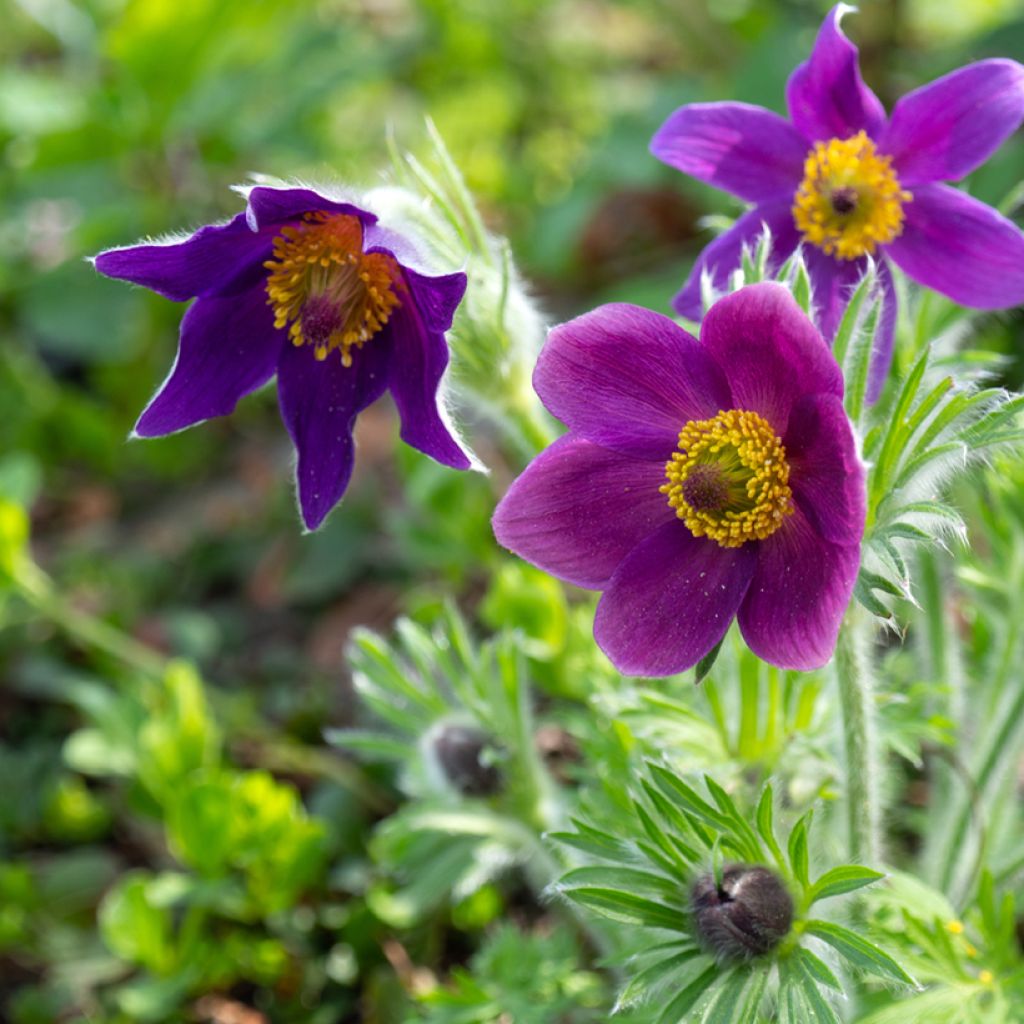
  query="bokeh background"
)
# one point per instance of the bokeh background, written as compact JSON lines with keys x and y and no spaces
{"x":120,"y":120}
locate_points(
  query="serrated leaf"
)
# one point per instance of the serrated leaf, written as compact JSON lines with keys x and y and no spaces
{"x":864,"y":955}
{"x":843,"y":879}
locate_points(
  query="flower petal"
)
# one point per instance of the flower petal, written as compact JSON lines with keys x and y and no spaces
{"x":180,"y":269}
{"x":419,"y":360}
{"x":579,"y":509}
{"x":752,"y":152}
{"x":881,"y":354}
{"x":268,"y":206}
{"x":962,"y":248}
{"x":770,"y":352}
{"x":628,"y":379}
{"x":723,"y":255}
{"x":670,"y":601}
{"x":228,"y":348}
{"x":826,"y":96}
{"x":319,"y":404}
{"x":826,"y":474}
{"x":799,"y":593}
{"x":946,"y":129}
{"x":832,"y":283}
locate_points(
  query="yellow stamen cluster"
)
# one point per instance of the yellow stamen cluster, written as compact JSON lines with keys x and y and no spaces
{"x":850,"y":200}
{"x":322,"y":284}
{"x":729,"y":480}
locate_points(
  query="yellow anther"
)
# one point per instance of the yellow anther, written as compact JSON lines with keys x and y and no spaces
{"x":850,"y":199}
{"x":329,"y":292}
{"x":729,"y":480}
{"x":986,"y":977}
{"x":955,"y":927}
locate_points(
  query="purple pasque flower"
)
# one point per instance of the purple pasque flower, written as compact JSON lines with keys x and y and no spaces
{"x":848,"y":183}
{"x":310,"y":288}
{"x":699,"y":481}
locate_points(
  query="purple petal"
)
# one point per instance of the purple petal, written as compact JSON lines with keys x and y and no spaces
{"x":832,"y":283}
{"x":881,"y":354}
{"x":319,"y":404}
{"x":722,"y":256}
{"x":801,"y":587}
{"x":628,"y":379}
{"x":946,"y":129}
{"x":827,"y":98}
{"x":211,"y":259}
{"x":962,"y":248}
{"x":228,"y":348}
{"x":419,"y":361}
{"x":269,"y":206}
{"x":747,"y":150}
{"x":579,"y":509}
{"x":670,"y":601}
{"x":770,"y":352}
{"x":826,"y":474}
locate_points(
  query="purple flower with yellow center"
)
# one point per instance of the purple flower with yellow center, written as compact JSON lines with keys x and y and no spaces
{"x":848,"y":183}
{"x":312,"y":289}
{"x":700,"y":481}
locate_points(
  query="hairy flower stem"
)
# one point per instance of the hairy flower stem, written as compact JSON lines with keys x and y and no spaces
{"x":856,"y":699}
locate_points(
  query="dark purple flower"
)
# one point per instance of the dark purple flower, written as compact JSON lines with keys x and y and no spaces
{"x":699,"y":480}
{"x":313,"y":289}
{"x":848,"y":182}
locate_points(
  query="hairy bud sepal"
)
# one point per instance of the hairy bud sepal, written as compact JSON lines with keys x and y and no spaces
{"x":744,"y":915}
{"x":467,"y":758}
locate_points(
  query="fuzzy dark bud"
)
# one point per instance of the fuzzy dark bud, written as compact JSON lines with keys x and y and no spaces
{"x":464,"y":754}
{"x":748,"y":915}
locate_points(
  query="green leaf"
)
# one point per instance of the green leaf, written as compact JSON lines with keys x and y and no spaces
{"x":820,"y":1009}
{"x":851,"y":314}
{"x":722,"y":1008}
{"x":842,"y":880}
{"x":817,"y":967}
{"x":706,"y":663}
{"x":133,"y":927}
{"x":623,"y":879}
{"x":864,"y":955}
{"x":858,"y":362}
{"x":765,"y":824}
{"x":651,"y":975}
{"x":675,"y":1012}
{"x":798,"y":855}
{"x":626,"y":908}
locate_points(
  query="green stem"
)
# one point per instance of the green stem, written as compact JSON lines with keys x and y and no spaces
{"x":85,"y":629}
{"x":856,"y":700}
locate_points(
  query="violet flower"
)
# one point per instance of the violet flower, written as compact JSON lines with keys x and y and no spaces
{"x":312,"y":289}
{"x":848,"y":182}
{"x":699,"y":480}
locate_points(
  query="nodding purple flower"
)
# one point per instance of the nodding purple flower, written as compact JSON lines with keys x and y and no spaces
{"x":312,"y":289}
{"x":700,"y":481}
{"x":848,"y":183}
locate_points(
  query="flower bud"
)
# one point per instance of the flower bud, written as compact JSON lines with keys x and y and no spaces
{"x":747,"y":915}
{"x":466,"y":757}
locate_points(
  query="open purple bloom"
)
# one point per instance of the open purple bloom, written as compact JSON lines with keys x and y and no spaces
{"x":313,"y":289}
{"x":848,"y":182}
{"x":699,"y":481}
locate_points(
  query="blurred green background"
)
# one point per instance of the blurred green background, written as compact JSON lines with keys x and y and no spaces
{"x":120,"y":120}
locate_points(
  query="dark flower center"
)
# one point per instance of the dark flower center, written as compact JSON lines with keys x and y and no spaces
{"x":705,"y":488}
{"x":729,"y":479}
{"x":844,"y":200}
{"x":325,"y":289}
